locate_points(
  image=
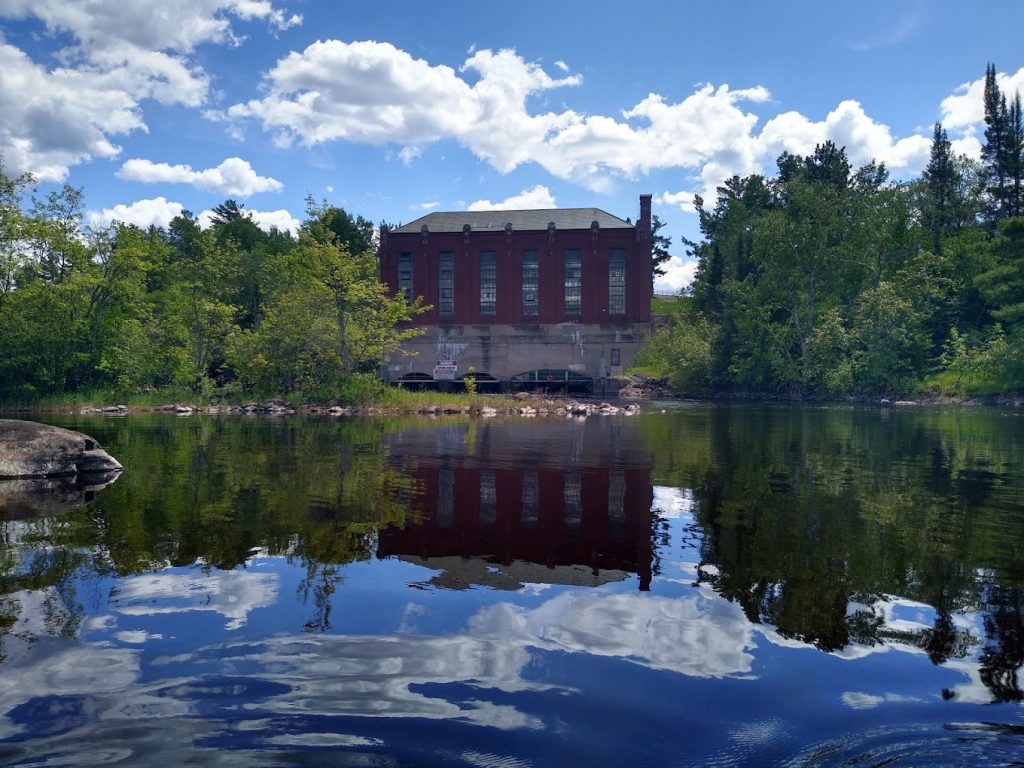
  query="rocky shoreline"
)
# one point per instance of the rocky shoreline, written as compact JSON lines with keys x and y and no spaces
{"x":528,"y":406}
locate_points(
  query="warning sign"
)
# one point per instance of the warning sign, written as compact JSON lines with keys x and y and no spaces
{"x":446,"y":369}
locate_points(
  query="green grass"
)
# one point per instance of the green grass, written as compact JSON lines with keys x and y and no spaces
{"x":663,"y":305}
{"x":410,"y":401}
{"x":946,"y":383}
{"x":100,"y":397}
{"x":383,"y":396}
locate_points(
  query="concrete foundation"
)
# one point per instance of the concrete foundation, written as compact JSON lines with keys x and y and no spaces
{"x":503,"y":351}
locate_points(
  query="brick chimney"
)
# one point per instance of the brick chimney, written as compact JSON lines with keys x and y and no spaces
{"x":643,"y":240}
{"x":645,"y":213}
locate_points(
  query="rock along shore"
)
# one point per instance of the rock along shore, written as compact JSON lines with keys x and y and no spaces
{"x":525,"y":405}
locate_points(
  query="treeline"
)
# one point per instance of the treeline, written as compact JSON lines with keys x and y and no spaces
{"x":828,"y":280}
{"x":225,"y":309}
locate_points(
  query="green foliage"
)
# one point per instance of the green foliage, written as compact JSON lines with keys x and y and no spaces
{"x":830,"y":281}
{"x":660,"y":245}
{"x":681,"y":352}
{"x":469,"y":380}
{"x":228,"y":308}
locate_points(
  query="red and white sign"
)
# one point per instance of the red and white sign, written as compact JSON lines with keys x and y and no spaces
{"x":446,"y":369}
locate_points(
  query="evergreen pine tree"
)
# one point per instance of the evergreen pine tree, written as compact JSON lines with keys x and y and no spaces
{"x":1014,"y":158}
{"x":994,"y":153}
{"x":941,"y":179}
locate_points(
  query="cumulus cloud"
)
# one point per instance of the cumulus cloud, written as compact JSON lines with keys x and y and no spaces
{"x":536,"y":197}
{"x":52,"y":120}
{"x":680,"y":272}
{"x":965,"y":107}
{"x":683,"y":200}
{"x":146,"y":24}
{"x":265,"y":220}
{"x":158,"y":212}
{"x":234,"y":176}
{"x":848,"y":125}
{"x":155,"y":212}
{"x":375,"y":93}
{"x":120,"y":55}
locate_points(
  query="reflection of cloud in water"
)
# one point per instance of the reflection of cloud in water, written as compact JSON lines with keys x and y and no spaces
{"x":61,"y":667}
{"x":974,"y":691}
{"x":672,"y":502}
{"x":382,"y":676}
{"x":137,"y":637}
{"x":859,"y":700}
{"x":233,"y":594}
{"x":412,"y":675}
{"x":696,"y":636}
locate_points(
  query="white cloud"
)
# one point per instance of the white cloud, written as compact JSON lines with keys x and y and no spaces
{"x":683,"y":200}
{"x":562,"y":65}
{"x":104,"y":24}
{"x":234,"y":177}
{"x":427,"y":206}
{"x":159,"y":211}
{"x":280,"y":218}
{"x":536,"y":197}
{"x":375,"y":93}
{"x":848,"y":125}
{"x":965,"y":107}
{"x":155,"y":212}
{"x":52,"y":120}
{"x":680,"y":272}
{"x":408,"y":154}
{"x":121,"y":55}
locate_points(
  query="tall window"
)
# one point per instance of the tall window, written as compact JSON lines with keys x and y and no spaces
{"x":573,"y":282}
{"x":445,"y":498}
{"x":405,"y":276}
{"x":445,"y":283}
{"x":617,"y":281}
{"x":573,"y":504}
{"x":488,"y":283}
{"x":488,"y":497}
{"x":531,"y":283}
{"x":530,"y":499}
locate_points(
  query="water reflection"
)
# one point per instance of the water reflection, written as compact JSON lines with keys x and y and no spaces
{"x":512,"y":504}
{"x":813,"y":519}
{"x":779,"y":587}
{"x":38,"y":497}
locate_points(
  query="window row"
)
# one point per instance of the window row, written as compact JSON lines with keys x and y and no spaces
{"x":572,"y":485}
{"x":530,"y":273}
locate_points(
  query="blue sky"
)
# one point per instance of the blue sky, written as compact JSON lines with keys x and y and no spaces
{"x":396,"y":109}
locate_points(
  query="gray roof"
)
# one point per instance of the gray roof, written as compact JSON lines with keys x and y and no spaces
{"x":564,"y":218}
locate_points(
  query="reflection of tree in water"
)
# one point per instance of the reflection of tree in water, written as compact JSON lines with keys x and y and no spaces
{"x":1003,"y":655}
{"x":811,"y":518}
{"x":212,"y":493}
{"x":320,"y":583}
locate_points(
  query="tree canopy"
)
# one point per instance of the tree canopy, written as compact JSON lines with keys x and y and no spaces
{"x":831,"y":280}
{"x":227,"y":308}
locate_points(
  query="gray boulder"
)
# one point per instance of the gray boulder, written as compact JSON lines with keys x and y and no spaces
{"x":29,"y":449}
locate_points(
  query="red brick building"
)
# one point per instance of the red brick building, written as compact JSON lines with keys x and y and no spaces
{"x":559,"y":290}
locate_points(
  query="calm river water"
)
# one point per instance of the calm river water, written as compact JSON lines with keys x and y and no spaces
{"x":700,"y":586}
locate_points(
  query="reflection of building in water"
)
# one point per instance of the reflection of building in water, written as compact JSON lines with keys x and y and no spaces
{"x":503,"y":504}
